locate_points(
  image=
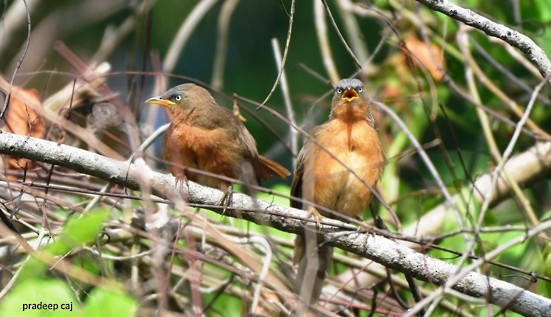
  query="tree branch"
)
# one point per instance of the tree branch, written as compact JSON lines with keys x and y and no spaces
{"x":516,"y":39}
{"x":374,"y":247}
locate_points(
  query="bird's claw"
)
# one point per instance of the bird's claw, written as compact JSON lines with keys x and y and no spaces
{"x":313,"y":212}
{"x":180,"y":180}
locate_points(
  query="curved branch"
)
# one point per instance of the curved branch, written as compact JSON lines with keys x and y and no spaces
{"x":374,"y":247}
{"x":516,"y":39}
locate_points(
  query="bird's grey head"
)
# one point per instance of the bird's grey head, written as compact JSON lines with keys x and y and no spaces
{"x":349,"y":83}
{"x":349,"y":89}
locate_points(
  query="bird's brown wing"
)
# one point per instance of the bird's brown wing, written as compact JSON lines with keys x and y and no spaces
{"x":296,"y":192}
{"x":296,"y":185}
{"x":246,"y":140}
{"x":264,"y":168}
{"x":295,"y":202}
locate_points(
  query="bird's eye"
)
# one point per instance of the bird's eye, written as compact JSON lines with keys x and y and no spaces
{"x":360,"y":90}
{"x":178,"y":97}
{"x":339,"y":90}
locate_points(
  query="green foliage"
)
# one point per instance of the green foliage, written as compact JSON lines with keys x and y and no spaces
{"x":105,"y":302}
{"x":539,"y":10}
{"x":545,"y":260}
{"x":51,"y":297}
{"x":225,"y":305}
{"x":37,"y":291}
{"x":77,"y":232}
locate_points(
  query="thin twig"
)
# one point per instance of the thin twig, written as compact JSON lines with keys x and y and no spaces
{"x":325,"y":47}
{"x":222,"y":43}
{"x":19,"y":62}
{"x":293,"y":133}
{"x":185,"y":31}
{"x":285,"y":52}
{"x":341,"y":37}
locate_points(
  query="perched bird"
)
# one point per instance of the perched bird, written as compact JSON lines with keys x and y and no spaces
{"x":207,"y":137}
{"x":332,"y":172}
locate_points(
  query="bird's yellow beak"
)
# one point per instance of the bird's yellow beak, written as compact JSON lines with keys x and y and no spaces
{"x":159,"y":101}
{"x":349,"y":95}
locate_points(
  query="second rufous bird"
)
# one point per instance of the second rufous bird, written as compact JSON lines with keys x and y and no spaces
{"x":207,"y":137}
{"x":336,"y":170}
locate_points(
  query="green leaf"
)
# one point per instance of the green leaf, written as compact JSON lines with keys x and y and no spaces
{"x":104,"y":302}
{"x":77,"y":232}
{"x":80,"y":231}
{"x":40,"y":297}
{"x":50,"y":297}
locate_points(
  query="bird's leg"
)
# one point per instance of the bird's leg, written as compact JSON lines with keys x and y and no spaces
{"x":227,"y":198}
{"x":180,"y":180}
{"x":317,"y":216}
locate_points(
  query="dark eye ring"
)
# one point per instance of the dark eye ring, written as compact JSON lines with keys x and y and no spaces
{"x":339,"y":91}
{"x":178,"y":97}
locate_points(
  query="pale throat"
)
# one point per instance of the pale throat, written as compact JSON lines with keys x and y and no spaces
{"x":350,"y":112}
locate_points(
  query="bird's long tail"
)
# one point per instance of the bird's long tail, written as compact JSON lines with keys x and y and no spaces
{"x":267,"y":168}
{"x":313,"y":260}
